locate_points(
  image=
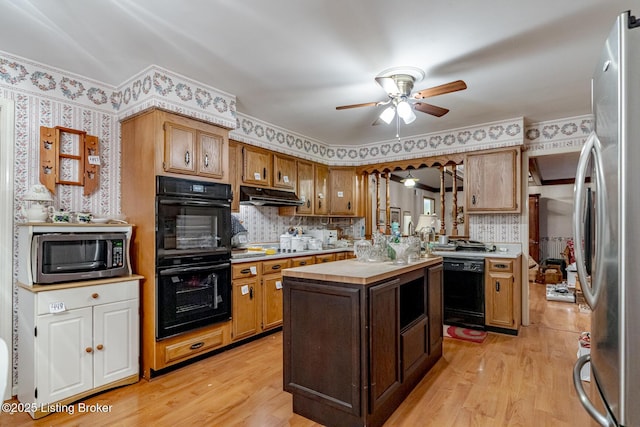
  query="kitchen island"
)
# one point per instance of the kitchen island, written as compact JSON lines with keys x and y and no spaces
{"x":358,"y":337}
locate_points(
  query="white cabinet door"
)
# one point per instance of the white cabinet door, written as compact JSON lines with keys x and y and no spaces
{"x":64,"y":343}
{"x":115,"y":339}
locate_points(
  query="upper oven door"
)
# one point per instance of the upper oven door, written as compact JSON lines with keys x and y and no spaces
{"x":192,"y":226}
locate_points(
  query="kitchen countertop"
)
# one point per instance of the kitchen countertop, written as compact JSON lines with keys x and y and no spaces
{"x":356,"y":272}
{"x":279,"y":255}
{"x":503,"y":250}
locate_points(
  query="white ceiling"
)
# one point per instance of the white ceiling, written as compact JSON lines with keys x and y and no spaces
{"x":291,"y":62}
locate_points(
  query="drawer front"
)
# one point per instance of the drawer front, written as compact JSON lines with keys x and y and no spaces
{"x":505,"y":265}
{"x":302,"y":261}
{"x":275,"y":266}
{"x":86,"y":296}
{"x":193,"y":346}
{"x":241,"y":271}
{"x":325,"y":258}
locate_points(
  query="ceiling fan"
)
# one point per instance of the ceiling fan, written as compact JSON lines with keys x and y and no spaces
{"x":398,"y":83}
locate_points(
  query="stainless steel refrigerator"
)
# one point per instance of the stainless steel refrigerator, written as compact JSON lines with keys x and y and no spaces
{"x":607,"y":229}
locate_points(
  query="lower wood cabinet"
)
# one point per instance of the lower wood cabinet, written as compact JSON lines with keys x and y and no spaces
{"x":353,"y":365}
{"x":74,"y":342}
{"x":503,"y":293}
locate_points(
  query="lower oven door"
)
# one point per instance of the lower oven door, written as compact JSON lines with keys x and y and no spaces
{"x":190,"y":297}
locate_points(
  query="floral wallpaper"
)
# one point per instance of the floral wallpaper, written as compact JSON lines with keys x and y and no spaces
{"x":564,"y":134}
{"x":488,"y":135}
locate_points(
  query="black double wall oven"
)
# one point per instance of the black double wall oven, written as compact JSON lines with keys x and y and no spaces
{"x":193,"y":254}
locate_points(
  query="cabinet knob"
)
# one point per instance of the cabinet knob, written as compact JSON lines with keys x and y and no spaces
{"x":95,"y":295}
{"x":206,"y":160}
{"x":88,"y":349}
{"x":99,"y":346}
{"x":251,"y":292}
{"x":497,"y":286}
{"x":473,"y":200}
{"x":187,"y":158}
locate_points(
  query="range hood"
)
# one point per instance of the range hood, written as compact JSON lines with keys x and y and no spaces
{"x":257,"y":196}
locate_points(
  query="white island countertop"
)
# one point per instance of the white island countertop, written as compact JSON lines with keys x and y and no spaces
{"x":356,"y":272}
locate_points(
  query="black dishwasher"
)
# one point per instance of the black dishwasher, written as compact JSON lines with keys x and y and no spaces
{"x":463,"y":292}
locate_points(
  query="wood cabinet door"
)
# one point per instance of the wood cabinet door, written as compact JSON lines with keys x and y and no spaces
{"x":64,"y":360}
{"x":384,"y":332}
{"x":179,"y":149}
{"x":235,"y":155}
{"x":271,"y":301}
{"x":322,"y":187}
{"x":492,"y":181}
{"x":435,"y":304}
{"x":256,"y":166}
{"x":244,"y":316}
{"x":306,"y":186}
{"x":116,"y":342}
{"x":342,"y":185}
{"x":284,"y":172}
{"x":210,"y":149}
{"x":499,"y":299}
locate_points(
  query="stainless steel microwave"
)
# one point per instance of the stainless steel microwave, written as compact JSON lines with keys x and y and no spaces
{"x":65,"y":257}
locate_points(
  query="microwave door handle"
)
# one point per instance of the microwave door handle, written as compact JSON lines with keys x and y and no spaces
{"x":197,"y":203}
{"x":92,"y":265}
{"x":591,"y":147}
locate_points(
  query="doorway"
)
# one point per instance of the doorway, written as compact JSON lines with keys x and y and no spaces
{"x":534,"y":227}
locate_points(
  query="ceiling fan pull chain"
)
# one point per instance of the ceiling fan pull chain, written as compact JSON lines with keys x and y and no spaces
{"x":397,"y":127}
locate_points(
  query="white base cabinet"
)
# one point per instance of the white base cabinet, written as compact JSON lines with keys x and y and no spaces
{"x":76,"y":341}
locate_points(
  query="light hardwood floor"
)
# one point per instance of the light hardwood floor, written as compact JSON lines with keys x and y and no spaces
{"x":505,"y":381}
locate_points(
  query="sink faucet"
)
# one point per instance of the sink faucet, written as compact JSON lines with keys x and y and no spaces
{"x":410,"y":229}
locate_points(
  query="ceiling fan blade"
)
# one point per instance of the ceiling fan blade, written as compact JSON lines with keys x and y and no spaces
{"x":430,"y":109}
{"x":366,"y":104}
{"x":389,"y":85}
{"x":441,"y":90}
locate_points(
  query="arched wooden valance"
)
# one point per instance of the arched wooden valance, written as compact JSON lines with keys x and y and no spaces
{"x":382,"y":171}
{"x":422,"y":162}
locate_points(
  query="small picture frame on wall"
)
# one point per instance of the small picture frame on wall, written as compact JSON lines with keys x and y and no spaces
{"x":394,"y":216}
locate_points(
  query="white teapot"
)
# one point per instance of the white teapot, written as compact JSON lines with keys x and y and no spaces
{"x":36,"y":210}
{"x":35,"y":213}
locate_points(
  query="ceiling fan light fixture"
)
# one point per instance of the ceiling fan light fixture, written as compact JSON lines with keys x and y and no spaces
{"x":388,"y":114}
{"x":406,"y":112}
{"x":409,"y":181}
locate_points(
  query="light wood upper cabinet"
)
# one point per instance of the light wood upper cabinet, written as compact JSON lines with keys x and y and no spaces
{"x":256,"y":166}
{"x":179,"y":148}
{"x":306,"y":187}
{"x":192,"y":151}
{"x":321,"y":196}
{"x":343,"y":194}
{"x":235,"y":159}
{"x":284,"y":172}
{"x":209,"y":160}
{"x":492,"y":181}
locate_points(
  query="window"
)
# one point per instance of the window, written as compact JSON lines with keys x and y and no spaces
{"x":429,"y":205}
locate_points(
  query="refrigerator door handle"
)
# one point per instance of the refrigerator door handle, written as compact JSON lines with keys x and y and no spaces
{"x":603,"y":420}
{"x":591,"y":147}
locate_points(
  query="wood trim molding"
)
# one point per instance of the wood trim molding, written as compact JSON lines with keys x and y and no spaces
{"x":7,"y":129}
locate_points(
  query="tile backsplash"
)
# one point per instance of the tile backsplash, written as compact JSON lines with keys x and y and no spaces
{"x":263,"y":223}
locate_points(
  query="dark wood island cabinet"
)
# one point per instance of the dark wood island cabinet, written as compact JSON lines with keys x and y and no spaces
{"x":359,"y":337}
